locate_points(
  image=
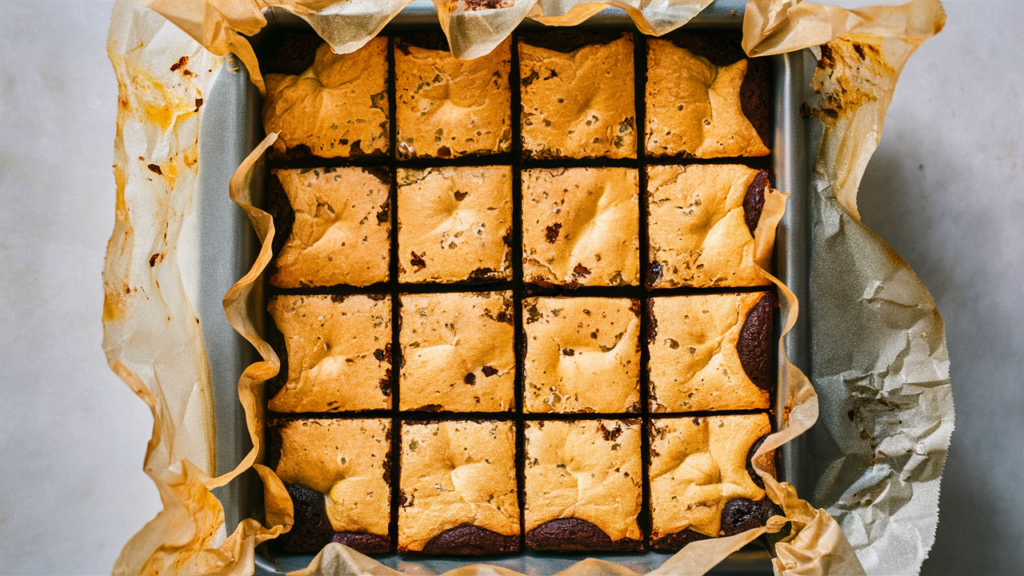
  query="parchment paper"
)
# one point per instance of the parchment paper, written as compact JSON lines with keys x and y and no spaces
{"x":879,"y":344}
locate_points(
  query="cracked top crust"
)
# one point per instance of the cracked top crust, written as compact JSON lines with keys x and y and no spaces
{"x":578,"y":104}
{"x":458,"y":352}
{"x":347,"y":462}
{"x":694,"y":361}
{"x":339,"y":353}
{"x":336,"y":108}
{"x":456,"y":473}
{"x":694,"y":107}
{"x":454,"y":224}
{"x":448,"y":107}
{"x":697,"y":466}
{"x":698,"y":229}
{"x":342,"y":228}
{"x":587,"y":469}
{"x":572,"y":343}
{"x":581,"y":226}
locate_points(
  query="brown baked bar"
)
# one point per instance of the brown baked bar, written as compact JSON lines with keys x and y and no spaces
{"x":455,"y":224}
{"x":330,"y":106}
{"x":458,"y":488}
{"x":583,"y":485}
{"x":577,"y":95}
{"x":701,"y":223}
{"x":458,"y":352}
{"x":703,"y":483}
{"x":338,"y":227}
{"x":710,"y":352}
{"x":337,"y":473}
{"x":705,"y":99}
{"x":338,"y":353}
{"x":447,"y":108}
{"x":573,"y":343}
{"x":581,"y":227}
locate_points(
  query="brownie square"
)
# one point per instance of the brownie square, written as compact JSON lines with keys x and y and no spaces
{"x":710,"y":352}
{"x":703,"y":483}
{"x":337,"y":473}
{"x":577,"y":95}
{"x":583,"y":485}
{"x":455,"y":224}
{"x":446,"y":107}
{"x":704,"y":98}
{"x":581,"y":227}
{"x":458,"y":352}
{"x":341,"y":233}
{"x":335,"y":107}
{"x":701,"y":224}
{"x":572,"y":343}
{"x":338,"y":353}
{"x":458,"y":488}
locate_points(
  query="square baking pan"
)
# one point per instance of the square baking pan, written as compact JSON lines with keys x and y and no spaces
{"x":232,"y":127}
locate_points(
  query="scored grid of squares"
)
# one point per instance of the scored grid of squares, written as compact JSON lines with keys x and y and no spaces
{"x":624,"y":286}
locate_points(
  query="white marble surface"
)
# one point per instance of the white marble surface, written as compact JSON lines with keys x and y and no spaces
{"x":944,"y":189}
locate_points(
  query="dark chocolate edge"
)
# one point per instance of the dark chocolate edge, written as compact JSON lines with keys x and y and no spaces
{"x":293,"y":55}
{"x":567,"y":41}
{"x":753,"y":201}
{"x":576,"y":535}
{"x":467,"y":540}
{"x":755,"y":341}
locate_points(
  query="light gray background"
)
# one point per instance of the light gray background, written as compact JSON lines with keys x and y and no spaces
{"x":944,"y":189}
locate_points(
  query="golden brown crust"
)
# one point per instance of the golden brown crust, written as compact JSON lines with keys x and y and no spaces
{"x":458,"y":352}
{"x":346,"y":461}
{"x":581,"y":226}
{"x":573,"y":343}
{"x":454,"y":224}
{"x":342,"y":229}
{"x":697,"y":227}
{"x":697,"y":466}
{"x":693,"y":106}
{"x":337,"y":108}
{"x":587,"y":469}
{"x":694,"y":363}
{"x":339,"y":353}
{"x":456,"y":473}
{"x":448,"y":107}
{"x":574,"y":104}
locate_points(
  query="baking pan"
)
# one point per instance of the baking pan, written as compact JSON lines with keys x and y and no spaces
{"x":232,"y":128}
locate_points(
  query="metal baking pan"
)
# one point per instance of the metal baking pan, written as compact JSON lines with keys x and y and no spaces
{"x":232,"y":128}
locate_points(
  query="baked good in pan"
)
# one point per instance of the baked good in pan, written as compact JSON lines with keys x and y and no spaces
{"x":337,"y":473}
{"x":703,"y":483}
{"x":573,"y":343}
{"x":458,"y":352}
{"x":340,"y":227}
{"x":577,"y":95}
{"x":581,"y":227}
{"x":710,"y":352}
{"x":335,"y":106}
{"x":338,"y":353}
{"x":446,"y":107}
{"x":458,"y":488}
{"x":455,"y":224}
{"x":701,"y":221}
{"x":583,"y":485}
{"x":705,"y":99}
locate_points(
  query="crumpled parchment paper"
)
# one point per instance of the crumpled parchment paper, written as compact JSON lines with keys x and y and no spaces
{"x":886,"y":395}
